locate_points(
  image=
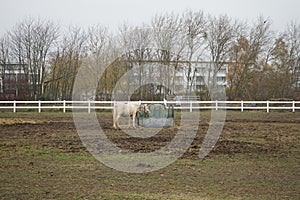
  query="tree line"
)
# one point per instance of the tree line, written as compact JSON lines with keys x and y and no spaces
{"x":263,"y":63}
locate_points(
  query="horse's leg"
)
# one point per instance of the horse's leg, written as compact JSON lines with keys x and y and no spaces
{"x":133,"y":120}
{"x":114,"y":119}
{"x":116,"y":124}
{"x":129,"y":122}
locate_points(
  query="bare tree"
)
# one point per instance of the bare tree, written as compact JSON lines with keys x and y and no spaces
{"x":65,"y":64}
{"x":136,"y":45}
{"x":168,"y":34}
{"x":4,"y":59}
{"x":97,"y":58}
{"x":220,"y":32}
{"x":194,"y":35}
{"x":292,"y":39}
{"x":4,"y":49}
{"x":31,"y":43}
{"x":250,"y":52}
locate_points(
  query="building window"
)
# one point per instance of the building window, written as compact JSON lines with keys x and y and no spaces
{"x":223,"y":70}
{"x":200,"y":79}
{"x":221,"y":79}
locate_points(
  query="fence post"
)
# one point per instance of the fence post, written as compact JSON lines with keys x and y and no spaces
{"x":15,"y":106}
{"x":293,"y":106}
{"x":89,"y":107}
{"x":242,"y":105}
{"x":191,"y":107}
{"x":216,"y":104}
{"x":64,"y":104}
{"x":39,"y":106}
{"x":268,"y":106}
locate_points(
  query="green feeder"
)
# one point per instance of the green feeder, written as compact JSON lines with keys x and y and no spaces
{"x":159,"y":117}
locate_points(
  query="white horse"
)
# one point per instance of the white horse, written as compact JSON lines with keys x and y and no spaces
{"x":128,"y":109}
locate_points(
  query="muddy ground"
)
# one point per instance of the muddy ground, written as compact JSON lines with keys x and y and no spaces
{"x":270,"y":132}
{"x":275,"y":135}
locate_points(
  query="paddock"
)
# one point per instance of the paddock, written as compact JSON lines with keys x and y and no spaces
{"x":256,"y":157}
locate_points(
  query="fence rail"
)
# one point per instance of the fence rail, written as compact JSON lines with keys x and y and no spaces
{"x":180,"y":105}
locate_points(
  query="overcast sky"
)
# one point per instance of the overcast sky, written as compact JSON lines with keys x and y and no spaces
{"x":113,"y":13}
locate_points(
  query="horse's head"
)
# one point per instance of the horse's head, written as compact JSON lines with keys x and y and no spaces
{"x":145,"y":108}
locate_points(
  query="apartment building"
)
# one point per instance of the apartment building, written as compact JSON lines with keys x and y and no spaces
{"x":13,"y":82}
{"x":199,"y":77}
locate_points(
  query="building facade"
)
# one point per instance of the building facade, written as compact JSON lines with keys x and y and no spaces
{"x":200,"y":75}
{"x":13,"y":82}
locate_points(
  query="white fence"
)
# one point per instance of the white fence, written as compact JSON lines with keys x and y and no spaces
{"x":64,"y":106}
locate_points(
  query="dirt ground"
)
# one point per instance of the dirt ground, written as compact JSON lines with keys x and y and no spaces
{"x":59,"y":131}
{"x":26,"y":137}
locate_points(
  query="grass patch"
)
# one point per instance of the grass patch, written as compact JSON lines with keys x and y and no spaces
{"x":46,"y":161}
{"x":242,"y":176}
